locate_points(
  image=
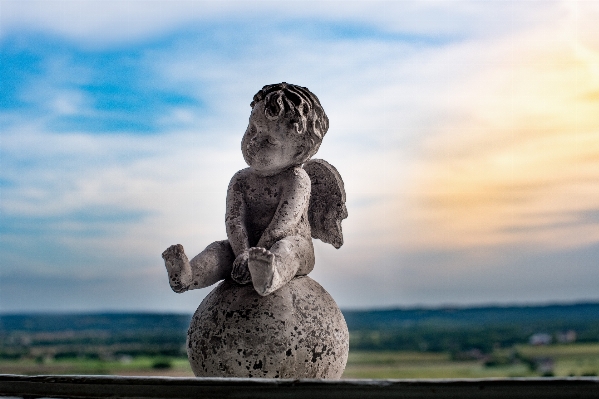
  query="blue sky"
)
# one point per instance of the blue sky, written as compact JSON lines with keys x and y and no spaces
{"x":466,"y":133}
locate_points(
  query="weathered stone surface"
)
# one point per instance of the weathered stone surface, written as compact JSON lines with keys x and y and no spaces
{"x":283,"y":324}
{"x":296,"y":332}
{"x":327,"y":202}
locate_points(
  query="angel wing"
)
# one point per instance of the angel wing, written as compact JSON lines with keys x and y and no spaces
{"x":327,"y":202}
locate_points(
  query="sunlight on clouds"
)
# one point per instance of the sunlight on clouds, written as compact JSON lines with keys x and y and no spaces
{"x":466,"y":133}
{"x":522,"y":166}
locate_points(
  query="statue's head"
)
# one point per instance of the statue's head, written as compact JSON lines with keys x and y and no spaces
{"x":286,"y":128}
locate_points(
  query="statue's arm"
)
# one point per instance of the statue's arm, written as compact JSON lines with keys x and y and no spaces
{"x":295,"y":199}
{"x":235,"y":215}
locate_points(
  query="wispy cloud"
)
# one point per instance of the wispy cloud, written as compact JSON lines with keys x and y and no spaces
{"x":108,"y":23}
{"x":461,"y":129}
{"x":520,"y":162}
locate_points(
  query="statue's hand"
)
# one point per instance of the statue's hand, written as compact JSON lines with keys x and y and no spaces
{"x":178,"y":268}
{"x":241,"y":272}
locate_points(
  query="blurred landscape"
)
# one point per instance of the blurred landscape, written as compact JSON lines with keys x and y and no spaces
{"x":553,"y":340}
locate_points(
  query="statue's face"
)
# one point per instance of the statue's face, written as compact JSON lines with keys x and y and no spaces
{"x":270,"y":147}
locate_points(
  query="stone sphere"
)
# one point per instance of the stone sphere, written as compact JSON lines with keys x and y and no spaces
{"x":296,"y":332}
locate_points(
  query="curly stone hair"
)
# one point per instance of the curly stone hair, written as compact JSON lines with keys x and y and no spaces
{"x":300,"y":106}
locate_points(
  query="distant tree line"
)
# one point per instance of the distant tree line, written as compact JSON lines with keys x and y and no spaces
{"x":462,"y":329}
{"x":454,"y":330}
{"x":92,"y":336}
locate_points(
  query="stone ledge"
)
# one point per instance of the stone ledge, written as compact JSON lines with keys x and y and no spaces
{"x":78,"y":386}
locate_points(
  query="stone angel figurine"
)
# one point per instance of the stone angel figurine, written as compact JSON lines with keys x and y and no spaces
{"x":276,"y":205}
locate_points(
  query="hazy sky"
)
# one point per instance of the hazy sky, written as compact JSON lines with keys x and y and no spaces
{"x":467,"y":134}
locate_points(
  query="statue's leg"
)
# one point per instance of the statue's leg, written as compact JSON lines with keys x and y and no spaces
{"x":211,"y":265}
{"x":287,"y":258}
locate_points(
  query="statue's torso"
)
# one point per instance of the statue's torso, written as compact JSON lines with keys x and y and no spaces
{"x":262,"y":195}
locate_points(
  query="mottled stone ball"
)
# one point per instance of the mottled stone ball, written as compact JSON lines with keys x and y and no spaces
{"x":296,"y":332}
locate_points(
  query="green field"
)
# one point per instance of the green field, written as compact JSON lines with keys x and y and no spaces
{"x":423,"y":365}
{"x":482,"y":342}
{"x":519,"y":361}
{"x":146,"y":366}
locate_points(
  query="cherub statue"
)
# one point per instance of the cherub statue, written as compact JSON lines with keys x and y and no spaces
{"x":276,"y":205}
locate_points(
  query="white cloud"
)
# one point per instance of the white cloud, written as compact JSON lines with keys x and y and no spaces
{"x":396,"y":110}
{"x":110,"y":22}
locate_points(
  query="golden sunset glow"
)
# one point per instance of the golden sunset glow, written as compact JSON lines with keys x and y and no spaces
{"x":523,"y":167}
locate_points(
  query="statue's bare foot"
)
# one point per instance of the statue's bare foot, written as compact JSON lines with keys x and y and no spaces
{"x":262,"y":268}
{"x":178,"y":268}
